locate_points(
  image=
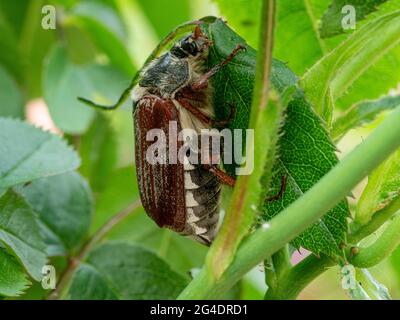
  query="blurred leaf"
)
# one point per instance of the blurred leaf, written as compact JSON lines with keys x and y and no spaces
{"x":306,"y":152}
{"x":383,"y":75}
{"x":336,"y":72}
{"x":15,"y":13}
{"x":395,"y":262}
{"x":28,"y":153}
{"x":182,"y":253}
{"x":76,"y":38}
{"x":243,"y":16}
{"x":9,"y":54}
{"x":20,"y":233}
{"x":104,"y":11}
{"x":10,"y":96}
{"x":98,"y":150}
{"x":361,"y":114}
{"x":13,"y":280}
{"x":383,"y":187}
{"x":106,"y":41}
{"x":297,"y":40}
{"x":64,"y":82}
{"x":34,"y":42}
{"x":121,"y":191}
{"x":122,"y":271}
{"x":64,"y":205}
{"x":166,"y":15}
{"x":376,"y":82}
{"x":141,"y":37}
{"x":331,"y":23}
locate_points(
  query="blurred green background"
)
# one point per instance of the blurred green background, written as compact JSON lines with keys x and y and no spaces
{"x":94,"y":51}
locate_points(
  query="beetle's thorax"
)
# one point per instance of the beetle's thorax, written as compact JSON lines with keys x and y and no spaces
{"x":168,"y":74}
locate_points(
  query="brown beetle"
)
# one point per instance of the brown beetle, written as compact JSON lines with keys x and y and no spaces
{"x":175,"y":87}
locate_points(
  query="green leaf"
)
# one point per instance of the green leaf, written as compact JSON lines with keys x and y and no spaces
{"x":380,"y":77}
{"x":34,"y":43}
{"x":361,"y":114}
{"x":104,"y":12}
{"x":20,"y":233}
{"x":122,"y":271}
{"x":64,"y":82}
{"x":9,"y":54}
{"x":182,"y":253}
{"x":28,"y":153}
{"x":166,"y":15}
{"x":395,"y":263}
{"x":376,"y":82}
{"x":105,"y":40}
{"x":306,"y":151}
{"x":243,"y":16}
{"x":98,"y":150}
{"x":121,"y":191}
{"x":337,"y":71}
{"x":13,"y":280}
{"x":306,"y":155}
{"x":383,"y":187}
{"x":297,"y":40}
{"x":64,"y":206}
{"x":10,"y":96}
{"x":331,"y":23}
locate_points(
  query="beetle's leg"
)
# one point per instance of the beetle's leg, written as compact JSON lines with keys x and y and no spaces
{"x":196,"y":112}
{"x":202,"y":82}
{"x":281,"y":191}
{"x":204,"y":118}
{"x":221,"y":175}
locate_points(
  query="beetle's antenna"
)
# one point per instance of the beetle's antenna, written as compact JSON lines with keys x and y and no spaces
{"x":178,"y":31}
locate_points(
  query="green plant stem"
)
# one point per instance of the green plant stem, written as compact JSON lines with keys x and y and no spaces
{"x":279,"y":265}
{"x":296,"y":279}
{"x":265,"y":121}
{"x":381,"y":248}
{"x":293,"y":220}
{"x":359,"y":232}
{"x":281,"y":261}
{"x":75,"y":261}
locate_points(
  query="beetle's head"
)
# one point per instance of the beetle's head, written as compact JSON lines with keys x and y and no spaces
{"x":192,"y":45}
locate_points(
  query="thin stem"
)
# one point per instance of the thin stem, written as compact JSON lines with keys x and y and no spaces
{"x":381,"y":248}
{"x":305,"y":211}
{"x":248,"y":190}
{"x":279,"y":266}
{"x":300,"y":276}
{"x":297,"y":278}
{"x":264,"y":60}
{"x":74,"y":262}
{"x":357,"y":232}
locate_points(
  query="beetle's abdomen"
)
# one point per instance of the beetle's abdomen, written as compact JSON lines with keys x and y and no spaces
{"x":202,"y":194}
